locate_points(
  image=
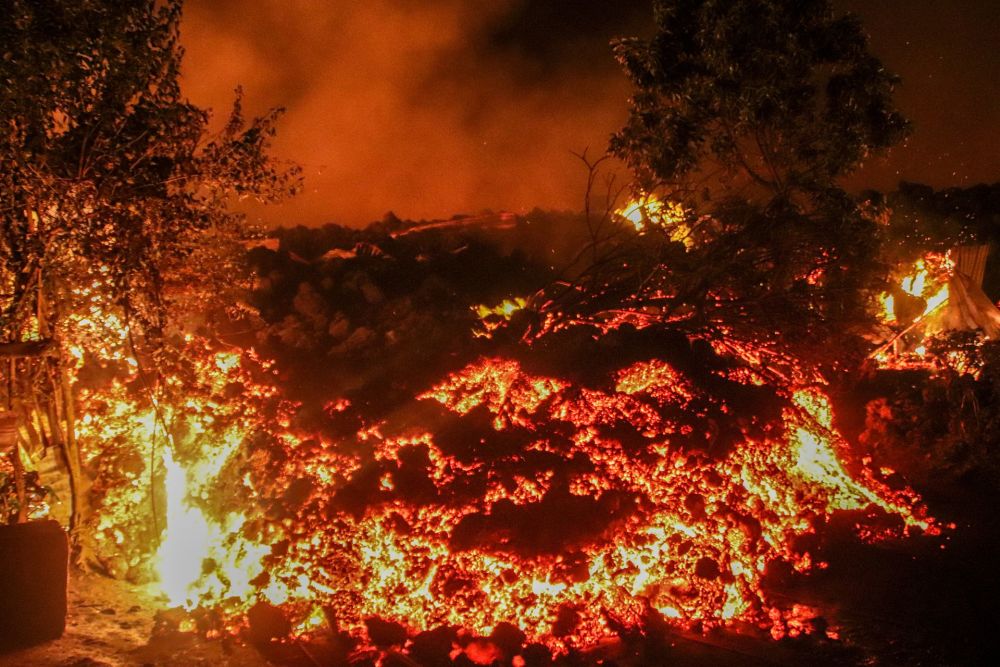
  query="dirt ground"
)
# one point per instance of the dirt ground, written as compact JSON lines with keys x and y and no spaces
{"x":110,"y":624}
{"x":113,"y":624}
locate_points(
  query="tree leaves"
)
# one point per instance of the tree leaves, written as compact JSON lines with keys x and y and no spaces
{"x":99,"y":144}
{"x":749,"y":113}
{"x":780,"y":91}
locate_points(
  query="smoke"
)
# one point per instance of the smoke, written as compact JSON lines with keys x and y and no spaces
{"x":945,"y":54}
{"x":426,"y":108}
{"x":436,"y":107}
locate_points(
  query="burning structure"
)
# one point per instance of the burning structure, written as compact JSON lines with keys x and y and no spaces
{"x":943,"y":294}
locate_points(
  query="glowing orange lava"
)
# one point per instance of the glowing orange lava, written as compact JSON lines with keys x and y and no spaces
{"x":686,"y":534}
{"x":528,"y":500}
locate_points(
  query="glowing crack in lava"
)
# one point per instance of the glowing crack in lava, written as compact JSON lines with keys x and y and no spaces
{"x":565,"y":510}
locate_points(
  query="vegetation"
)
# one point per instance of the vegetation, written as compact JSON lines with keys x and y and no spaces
{"x":116,"y":213}
{"x":749,"y":114}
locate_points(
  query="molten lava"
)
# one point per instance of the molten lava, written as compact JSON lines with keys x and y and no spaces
{"x":542,"y":501}
{"x":500,"y":496}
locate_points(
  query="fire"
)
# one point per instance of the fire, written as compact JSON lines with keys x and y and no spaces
{"x":919,"y":294}
{"x":505,"y":309}
{"x":914,"y":284}
{"x":200,"y":559}
{"x":187,"y":540}
{"x":648,"y":211}
{"x":492,"y":318}
{"x":928,"y":281}
{"x":936,"y":300}
{"x":560,"y":500}
{"x":888,"y":308}
{"x":160,"y":464}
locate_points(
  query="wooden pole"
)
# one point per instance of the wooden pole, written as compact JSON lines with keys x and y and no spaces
{"x":22,"y":496}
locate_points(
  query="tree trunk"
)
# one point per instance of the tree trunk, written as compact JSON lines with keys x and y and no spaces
{"x":80,"y":504}
{"x":49,"y":313}
{"x":15,"y":453}
{"x":62,"y":422}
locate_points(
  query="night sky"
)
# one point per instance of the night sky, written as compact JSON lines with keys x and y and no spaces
{"x":436,"y":107}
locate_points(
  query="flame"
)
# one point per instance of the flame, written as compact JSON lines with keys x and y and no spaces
{"x":198,"y":551}
{"x":505,"y":309}
{"x":639,"y":210}
{"x":649,"y":211}
{"x":887,"y":311}
{"x":492,"y":318}
{"x":187,"y":540}
{"x":927,"y":282}
{"x":914,"y":284}
{"x":936,"y":300}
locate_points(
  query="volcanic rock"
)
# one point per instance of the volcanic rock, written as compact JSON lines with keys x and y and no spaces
{"x":432,"y":648}
{"x":706,"y":568}
{"x":385,"y":633}
{"x":267,"y":622}
{"x":508,"y":638}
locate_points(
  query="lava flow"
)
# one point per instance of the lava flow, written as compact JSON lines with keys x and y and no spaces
{"x":565,"y":510}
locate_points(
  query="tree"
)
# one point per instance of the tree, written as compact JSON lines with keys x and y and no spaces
{"x":116,"y":203}
{"x":749,"y":113}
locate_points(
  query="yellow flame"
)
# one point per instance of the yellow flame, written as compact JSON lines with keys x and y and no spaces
{"x":504,"y":309}
{"x":914,"y":283}
{"x":926,"y":281}
{"x":888,"y":307}
{"x":201,"y":559}
{"x":639,"y":211}
{"x":186,"y":540}
{"x":650,"y":211}
{"x":937,"y":299}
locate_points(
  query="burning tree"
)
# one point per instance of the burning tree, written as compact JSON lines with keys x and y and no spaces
{"x":747,"y":115}
{"x":116,"y":215}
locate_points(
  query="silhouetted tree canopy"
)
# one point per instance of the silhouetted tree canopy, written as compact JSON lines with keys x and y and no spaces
{"x":767,"y":101}
{"x":749,"y":113}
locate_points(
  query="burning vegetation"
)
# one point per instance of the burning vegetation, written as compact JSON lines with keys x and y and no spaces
{"x":457,"y":440}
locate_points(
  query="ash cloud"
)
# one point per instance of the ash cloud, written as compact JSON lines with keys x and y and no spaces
{"x":426,"y":108}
